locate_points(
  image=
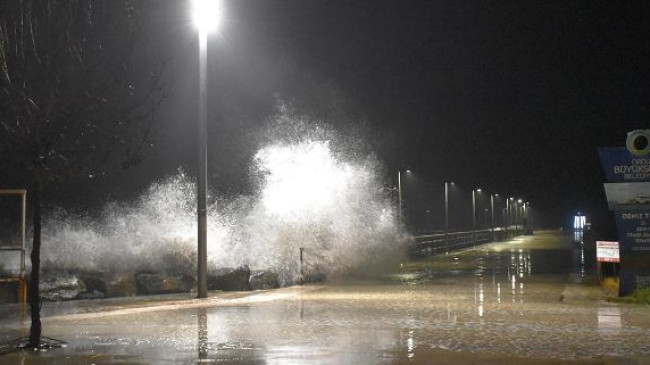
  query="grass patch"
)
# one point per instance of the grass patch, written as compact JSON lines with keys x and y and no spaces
{"x":641,"y":296}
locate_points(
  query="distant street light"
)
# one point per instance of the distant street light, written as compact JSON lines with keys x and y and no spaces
{"x":508,"y":216}
{"x":206,"y":15}
{"x":529,"y":216}
{"x":517,"y":216}
{"x":399,"y":191}
{"x":492,"y":208}
{"x":474,"y":191}
{"x":525,"y":217}
{"x":447,"y":183}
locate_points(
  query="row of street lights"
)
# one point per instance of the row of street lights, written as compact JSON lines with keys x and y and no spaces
{"x":525,"y":207}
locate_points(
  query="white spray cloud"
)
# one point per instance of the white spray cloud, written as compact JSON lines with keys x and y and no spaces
{"x":332,"y":206}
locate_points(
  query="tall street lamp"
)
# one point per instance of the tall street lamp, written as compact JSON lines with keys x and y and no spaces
{"x":524,"y":216}
{"x":206,"y":15}
{"x":399,"y":191}
{"x":474,"y":191}
{"x":517,"y":202}
{"x":508,"y":216}
{"x":447,"y":183}
{"x":529,"y":216}
{"x":492,"y":207}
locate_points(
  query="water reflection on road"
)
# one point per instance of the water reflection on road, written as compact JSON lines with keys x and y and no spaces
{"x":532,"y":297}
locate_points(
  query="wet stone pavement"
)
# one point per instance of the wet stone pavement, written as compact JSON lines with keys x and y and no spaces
{"x":531,"y":300}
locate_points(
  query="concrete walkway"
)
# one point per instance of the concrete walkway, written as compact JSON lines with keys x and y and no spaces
{"x":531,"y":300}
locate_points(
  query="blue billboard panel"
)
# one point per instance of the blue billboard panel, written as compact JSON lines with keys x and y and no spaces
{"x":634,"y":236}
{"x":622,"y":166}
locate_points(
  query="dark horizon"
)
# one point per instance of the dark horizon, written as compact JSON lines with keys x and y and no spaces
{"x":511,"y":97}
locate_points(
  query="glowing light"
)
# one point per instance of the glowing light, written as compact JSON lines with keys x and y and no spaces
{"x":206,"y":14}
{"x":579,"y":222}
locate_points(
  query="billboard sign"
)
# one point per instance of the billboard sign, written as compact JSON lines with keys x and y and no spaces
{"x":621,"y":195}
{"x":628,"y":194}
{"x":622,"y":166}
{"x":607,"y":251}
{"x":634,"y":236}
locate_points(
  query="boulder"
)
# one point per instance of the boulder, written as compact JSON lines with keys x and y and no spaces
{"x":163,"y":283}
{"x":264,"y":280}
{"x":95,"y":283}
{"x":230,"y":279}
{"x":288,"y":279}
{"x":314,"y":277}
{"x":60,"y":285}
{"x":95,"y":294}
{"x":120,"y":285}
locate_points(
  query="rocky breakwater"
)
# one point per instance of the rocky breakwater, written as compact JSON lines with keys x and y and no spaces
{"x":60,"y":285}
{"x":236,"y":279}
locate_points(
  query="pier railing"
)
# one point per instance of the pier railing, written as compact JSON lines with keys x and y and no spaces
{"x":440,"y":242}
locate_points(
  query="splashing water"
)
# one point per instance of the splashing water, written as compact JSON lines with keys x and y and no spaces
{"x":303,"y":180}
{"x":331,"y":206}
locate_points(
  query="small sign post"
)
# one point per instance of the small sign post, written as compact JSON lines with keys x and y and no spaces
{"x":607,"y":251}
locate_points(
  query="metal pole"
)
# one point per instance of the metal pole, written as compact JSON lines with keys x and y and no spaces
{"x":302,"y":278}
{"x":474,"y":212}
{"x":399,"y":192}
{"x":203,"y":167}
{"x":446,"y":207}
{"x":492,"y":209}
{"x":507,"y":215}
{"x":516,"y":219}
{"x":526,"y":218}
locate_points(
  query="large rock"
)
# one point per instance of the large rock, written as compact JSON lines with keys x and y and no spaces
{"x":95,"y":283}
{"x":264,"y":280}
{"x":60,"y":285}
{"x":163,"y":283}
{"x":120,"y":285}
{"x":230,"y":279}
{"x":313,"y":277}
{"x":95,"y":294}
{"x":289,"y":279}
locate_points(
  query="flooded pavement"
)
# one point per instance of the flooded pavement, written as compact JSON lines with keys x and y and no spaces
{"x":531,"y":300}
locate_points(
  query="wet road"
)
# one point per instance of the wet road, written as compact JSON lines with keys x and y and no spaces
{"x":531,"y":300}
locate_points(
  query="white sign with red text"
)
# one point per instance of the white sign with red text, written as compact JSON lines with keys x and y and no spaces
{"x":607,"y":251}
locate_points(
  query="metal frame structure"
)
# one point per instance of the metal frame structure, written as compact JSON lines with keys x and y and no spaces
{"x":20,"y":279}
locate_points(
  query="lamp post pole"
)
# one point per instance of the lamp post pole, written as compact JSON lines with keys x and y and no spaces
{"x":492,"y":208}
{"x":474,"y":191}
{"x":203,"y":168}
{"x":446,"y":207}
{"x":399,"y":193}
{"x":206,"y":16}
{"x":516,"y":218}
{"x":525,"y":217}
{"x":508,"y":215}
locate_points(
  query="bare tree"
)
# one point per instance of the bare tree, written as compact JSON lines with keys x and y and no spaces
{"x":71,"y":100}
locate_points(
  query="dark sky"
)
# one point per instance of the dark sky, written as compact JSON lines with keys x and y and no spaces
{"x":511,"y":96}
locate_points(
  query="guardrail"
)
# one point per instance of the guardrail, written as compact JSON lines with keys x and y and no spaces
{"x":437,"y":243}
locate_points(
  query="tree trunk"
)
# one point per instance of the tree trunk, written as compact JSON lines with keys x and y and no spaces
{"x":34,"y":292}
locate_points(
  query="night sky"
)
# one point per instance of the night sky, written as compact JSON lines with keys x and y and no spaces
{"x":510,"y":96}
